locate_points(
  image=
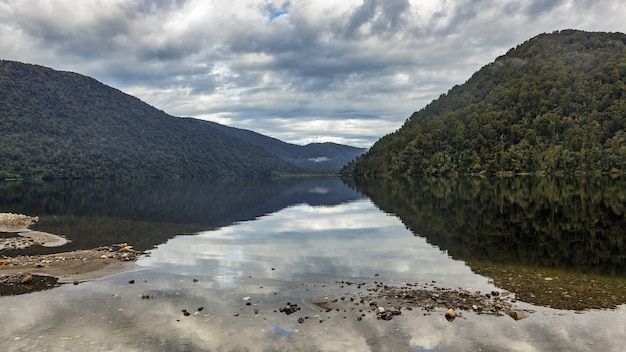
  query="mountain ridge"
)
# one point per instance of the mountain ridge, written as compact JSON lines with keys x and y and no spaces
{"x":59,"y":125}
{"x":320,"y":157}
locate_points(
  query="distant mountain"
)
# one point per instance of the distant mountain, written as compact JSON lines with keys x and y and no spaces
{"x":554,"y":104}
{"x":65,"y":125}
{"x":314,"y":157}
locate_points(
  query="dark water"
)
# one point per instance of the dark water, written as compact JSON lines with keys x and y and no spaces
{"x":557,"y":244}
{"x":148,"y":213}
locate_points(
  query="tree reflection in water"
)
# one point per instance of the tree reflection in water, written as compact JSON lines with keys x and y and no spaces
{"x":557,"y":242}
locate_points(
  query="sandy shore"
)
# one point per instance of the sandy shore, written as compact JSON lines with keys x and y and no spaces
{"x":27,"y":273}
{"x":73,"y":266}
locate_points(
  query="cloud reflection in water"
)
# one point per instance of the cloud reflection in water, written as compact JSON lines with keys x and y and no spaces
{"x":268,"y":260}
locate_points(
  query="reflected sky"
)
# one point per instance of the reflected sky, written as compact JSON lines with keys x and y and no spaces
{"x":348,"y":241}
{"x":288,"y":256}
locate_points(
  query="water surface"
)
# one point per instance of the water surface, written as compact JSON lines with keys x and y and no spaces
{"x":243,"y":255}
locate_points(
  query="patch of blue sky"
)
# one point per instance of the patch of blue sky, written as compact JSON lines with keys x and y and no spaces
{"x":277,"y":14}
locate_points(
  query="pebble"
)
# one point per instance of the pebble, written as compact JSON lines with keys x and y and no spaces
{"x":450,"y":315}
{"x":517,"y":315}
{"x":27,"y":279}
{"x":127,"y":249}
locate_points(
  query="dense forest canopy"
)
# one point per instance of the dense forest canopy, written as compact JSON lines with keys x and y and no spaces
{"x":556,"y":103}
{"x":62,"y":125}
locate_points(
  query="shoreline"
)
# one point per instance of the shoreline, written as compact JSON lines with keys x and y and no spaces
{"x":66,"y":267}
{"x":28,"y":273}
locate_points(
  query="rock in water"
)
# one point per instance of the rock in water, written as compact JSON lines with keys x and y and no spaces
{"x":450,"y":315}
{"x":517,"y":315}
{"x":27,"y":279}
{"x":289,"y":308}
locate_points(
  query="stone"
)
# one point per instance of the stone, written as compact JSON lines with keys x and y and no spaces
{"x":27,"y":279}
{"x":289,"y":308}
{"x":386,"y":315}
{"x":127,"y":249}
{"x":450,"y":315}
{"x":517,"y":315}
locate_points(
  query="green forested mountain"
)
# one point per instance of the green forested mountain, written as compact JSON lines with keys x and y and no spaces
{"x":65,"y":125}
{"x":314,"y":157}
{"x":556,"y":103}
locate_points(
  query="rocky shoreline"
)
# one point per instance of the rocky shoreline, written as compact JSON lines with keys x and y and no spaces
{"x":388,"y":301}
{"x":19,"y":224}
{"x":23,"y":274}
{"x":379,"y":301}
{"x":28,"y":273}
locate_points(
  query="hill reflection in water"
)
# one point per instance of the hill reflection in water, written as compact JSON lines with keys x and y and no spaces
{"x":557,"y":242}
{"x":146,"y":213}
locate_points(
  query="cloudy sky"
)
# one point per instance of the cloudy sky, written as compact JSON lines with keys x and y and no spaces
{"x":303,"y":71}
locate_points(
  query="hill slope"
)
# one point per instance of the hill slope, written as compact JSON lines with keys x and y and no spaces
{"x":314,"y":157}
{"x":556,"y":103}
{"x":65,"y":125}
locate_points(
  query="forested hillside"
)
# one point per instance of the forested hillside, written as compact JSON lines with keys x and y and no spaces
{"x":556,"y":103}
{"x":313,"y":157}
{"x":65,"y":125}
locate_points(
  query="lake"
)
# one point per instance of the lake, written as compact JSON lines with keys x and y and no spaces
{"x":227,"y":256}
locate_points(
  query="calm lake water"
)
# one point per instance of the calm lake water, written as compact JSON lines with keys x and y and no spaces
{"x":240,"y":250}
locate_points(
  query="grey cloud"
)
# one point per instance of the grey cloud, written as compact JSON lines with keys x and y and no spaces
{"x":76,"y":37}
{"x":393,"y":12}
{"x":155,"y":6}
{"x":539,"y":7}
{"x":383,"y":16}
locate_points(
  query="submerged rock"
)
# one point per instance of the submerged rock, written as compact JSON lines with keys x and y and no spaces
{"x":377,"y":297}
{"x":517,"y":314}
{"x":289,"y":308}
{"x":27,"y":279}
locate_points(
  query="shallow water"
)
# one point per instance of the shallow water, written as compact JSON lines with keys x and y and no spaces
{"x":242,"y":273}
